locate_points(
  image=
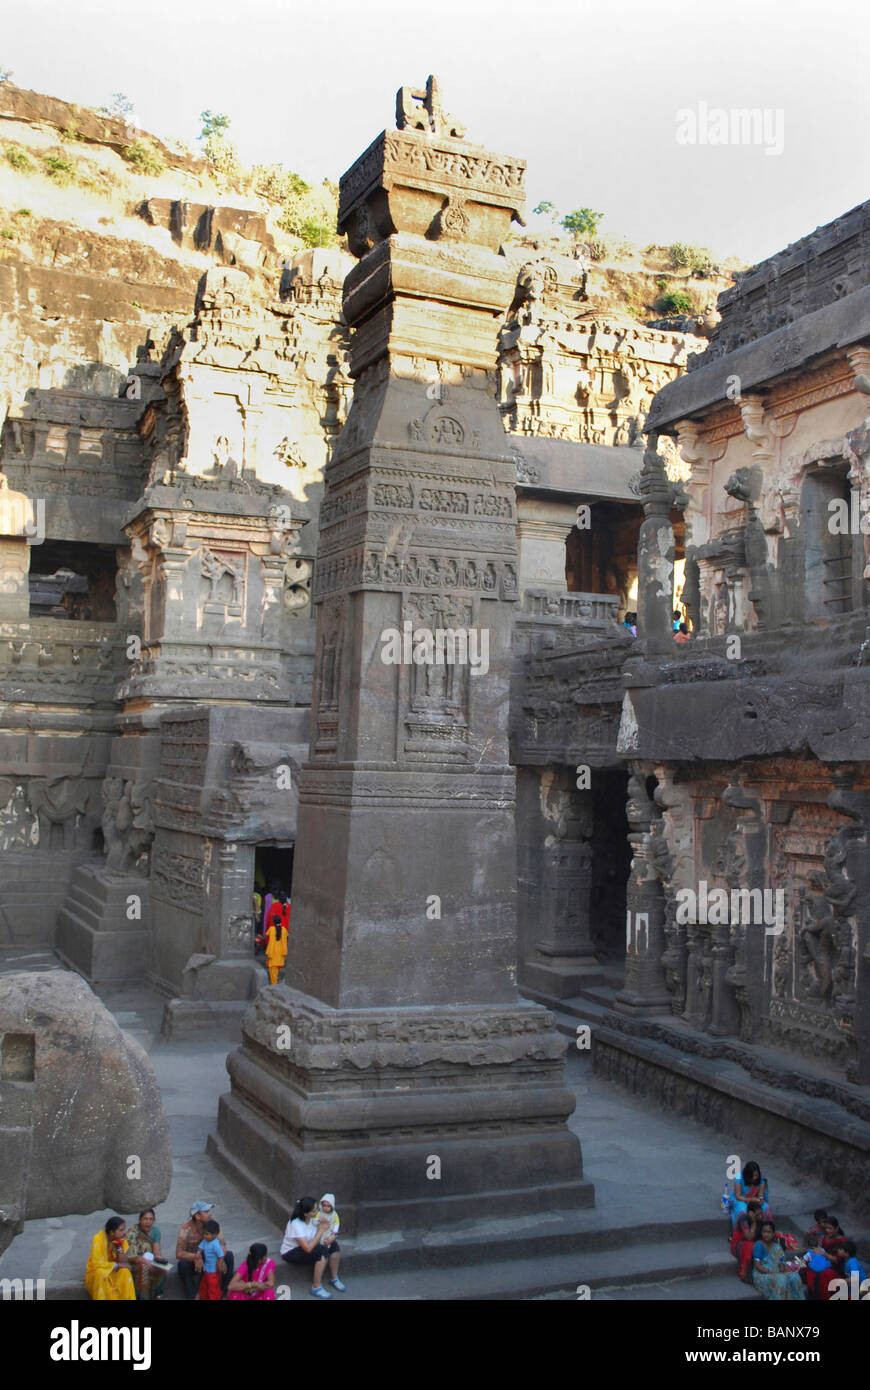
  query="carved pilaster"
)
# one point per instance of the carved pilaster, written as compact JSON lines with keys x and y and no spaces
{"x":645,"y":989}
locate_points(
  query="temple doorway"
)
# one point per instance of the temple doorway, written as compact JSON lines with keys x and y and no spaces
{"x":273,"y":870}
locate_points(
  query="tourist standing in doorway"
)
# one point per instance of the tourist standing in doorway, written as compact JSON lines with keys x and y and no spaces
{"x":277,"y":926}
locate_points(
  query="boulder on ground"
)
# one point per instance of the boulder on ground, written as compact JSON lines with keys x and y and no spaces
{"x":81,"y":1120}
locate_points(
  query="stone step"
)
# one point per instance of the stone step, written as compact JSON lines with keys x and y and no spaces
{"x":718,"y":1288}
{"x":581,"y":1008}
{"x":85,"y":903}
{"x":102,"y":956}
{"x":682,"y":1268}
{"x":535,"y":1271}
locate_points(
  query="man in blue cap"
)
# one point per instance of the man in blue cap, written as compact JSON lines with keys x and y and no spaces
{"x":187,"y":1251}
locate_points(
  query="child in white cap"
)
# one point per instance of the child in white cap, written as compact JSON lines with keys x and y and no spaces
{"x":326,"y":1212}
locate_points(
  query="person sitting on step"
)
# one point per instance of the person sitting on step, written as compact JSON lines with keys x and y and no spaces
{"x":303,"y":1244}
{"x":749,"y":1187}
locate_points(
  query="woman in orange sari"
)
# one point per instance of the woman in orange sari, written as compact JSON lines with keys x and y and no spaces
{"x":108,"y":1275}
{"x":277,"y":926}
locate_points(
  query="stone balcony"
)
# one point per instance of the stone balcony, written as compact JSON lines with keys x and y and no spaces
{"x":567,"y":690}
{"x":784,"y":691}
{"x":551,"y":621}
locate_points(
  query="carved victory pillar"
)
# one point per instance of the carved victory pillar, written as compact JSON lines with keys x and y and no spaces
{"x":644,"y":990}
{"x":408,"y":1039}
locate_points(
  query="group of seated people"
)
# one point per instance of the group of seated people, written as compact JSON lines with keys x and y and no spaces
{"x":129,"y":1264}
{"x":777,"y":1263}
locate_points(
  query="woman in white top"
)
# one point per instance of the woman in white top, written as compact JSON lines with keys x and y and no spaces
{"x":302,"y":1245}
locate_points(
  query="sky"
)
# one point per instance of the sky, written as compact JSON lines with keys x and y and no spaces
{"x":623,"y":107}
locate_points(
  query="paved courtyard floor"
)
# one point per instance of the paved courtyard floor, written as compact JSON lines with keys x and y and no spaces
{"x":649,"y":1170}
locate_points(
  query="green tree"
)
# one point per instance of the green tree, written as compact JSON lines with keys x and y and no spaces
{"x":311,"y":213}
{"x":220,"y":152}
{"x":213,"y":123}
{"x":582,"y":222}
{"x":546,"y":209}
{"x":6,"y":74}
{"x":120,"y":108}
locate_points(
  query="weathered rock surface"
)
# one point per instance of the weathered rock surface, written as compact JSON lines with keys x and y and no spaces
{"x":79,"y":1104}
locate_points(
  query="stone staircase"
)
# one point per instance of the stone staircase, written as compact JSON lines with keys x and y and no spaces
{"x":556,"y":1258}
{"x":95,"y":936}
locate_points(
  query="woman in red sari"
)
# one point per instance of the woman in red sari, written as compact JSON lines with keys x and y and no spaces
{"x":746,"y":1232}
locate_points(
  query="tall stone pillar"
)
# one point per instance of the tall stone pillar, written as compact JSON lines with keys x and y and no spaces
{"x":655,"y":554}
{"x":408,"y":1042}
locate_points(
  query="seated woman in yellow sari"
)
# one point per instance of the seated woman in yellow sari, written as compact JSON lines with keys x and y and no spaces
{"x":108,"y":1273}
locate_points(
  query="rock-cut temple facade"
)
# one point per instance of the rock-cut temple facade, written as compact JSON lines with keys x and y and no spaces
{"x":432,"y":431}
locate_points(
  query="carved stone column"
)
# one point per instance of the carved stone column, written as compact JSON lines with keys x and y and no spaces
{"x":645,"y":990}
{"x":564,"y":958}
{"x":655,"y":554}
{"x":408,"y":1038}
{"x":542,"y":530}
{"x":744,"y":868}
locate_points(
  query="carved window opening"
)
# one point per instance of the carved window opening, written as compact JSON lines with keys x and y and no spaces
{"x":73,"y":580}
{"x":602,"y":558}
{"x":825,"y":495}
{"x":17,"y":1056}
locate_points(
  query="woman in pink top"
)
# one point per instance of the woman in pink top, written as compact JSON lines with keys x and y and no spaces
{"x":255,"y":1279}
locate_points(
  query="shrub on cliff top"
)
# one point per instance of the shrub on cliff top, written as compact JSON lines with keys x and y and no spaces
{"x":276,"y":183}
{"x":675,"y":303}
{"x":144,"y":158}
{"x":16,"y":156}
{"x":682,"y":256}
{"x":57,"y":168}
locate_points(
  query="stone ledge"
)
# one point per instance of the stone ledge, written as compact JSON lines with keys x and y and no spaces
{"x":786,"y":350}
{"x":831,"y":1146}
